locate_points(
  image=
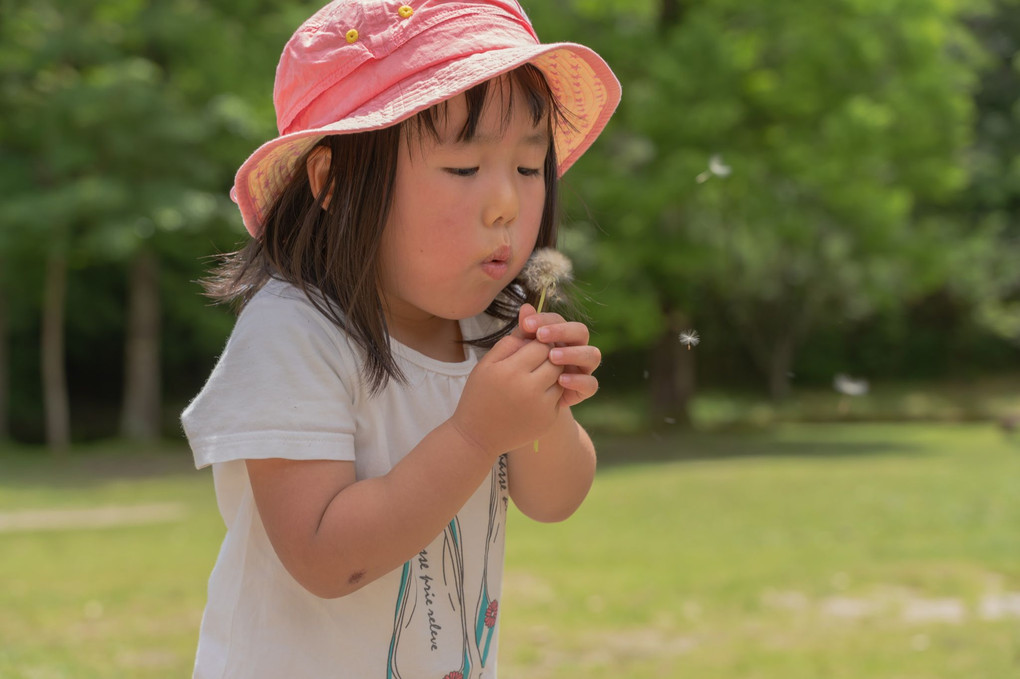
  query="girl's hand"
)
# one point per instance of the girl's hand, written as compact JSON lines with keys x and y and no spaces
{"x":511,"y":397}
{"x":569,"y":349}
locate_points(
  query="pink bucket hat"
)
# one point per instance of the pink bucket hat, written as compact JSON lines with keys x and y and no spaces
{"x":359,"y":65}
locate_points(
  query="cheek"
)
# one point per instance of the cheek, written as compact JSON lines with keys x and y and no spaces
{"x":532,"y":212}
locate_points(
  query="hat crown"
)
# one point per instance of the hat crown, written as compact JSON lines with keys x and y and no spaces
{"x":362,"y":65}
{"x":357,"y":35}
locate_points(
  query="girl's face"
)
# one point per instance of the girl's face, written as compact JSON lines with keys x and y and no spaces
{"x":465,"y":215}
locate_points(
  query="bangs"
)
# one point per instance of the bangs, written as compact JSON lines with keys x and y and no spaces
{"x":525,"y":81}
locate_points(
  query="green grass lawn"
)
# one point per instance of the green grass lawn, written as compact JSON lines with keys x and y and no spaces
{"x":803,"y":551}
{"x":984,"y":399}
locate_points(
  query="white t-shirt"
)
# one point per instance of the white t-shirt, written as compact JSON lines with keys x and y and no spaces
{"x":288,"y":385}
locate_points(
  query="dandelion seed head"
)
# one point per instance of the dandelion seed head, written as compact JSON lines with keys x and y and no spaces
{"x":547,"y":269}
{"x":690,"y":338}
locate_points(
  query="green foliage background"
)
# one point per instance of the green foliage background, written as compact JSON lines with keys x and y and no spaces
{"x":816,"y":187}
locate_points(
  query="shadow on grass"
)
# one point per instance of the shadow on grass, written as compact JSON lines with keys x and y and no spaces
{"x":92,"y":464}
{"x":104,"y":462}
{"x":678,"y":445}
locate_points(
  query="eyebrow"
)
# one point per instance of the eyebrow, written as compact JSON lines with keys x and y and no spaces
{"x":539,"y":138}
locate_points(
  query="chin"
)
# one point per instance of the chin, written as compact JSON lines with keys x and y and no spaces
{"x":472,"y":310}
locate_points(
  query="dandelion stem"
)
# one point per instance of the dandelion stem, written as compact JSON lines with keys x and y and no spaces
{"x":545,"y":270}
{"x":541,"y":302}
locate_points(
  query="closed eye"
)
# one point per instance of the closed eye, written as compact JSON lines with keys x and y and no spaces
{"x":462,"y":171}
{"x":530,"y":171}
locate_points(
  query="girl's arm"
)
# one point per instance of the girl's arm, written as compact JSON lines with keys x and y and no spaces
{"x":335,"y":534}
{"x":549,"y":484}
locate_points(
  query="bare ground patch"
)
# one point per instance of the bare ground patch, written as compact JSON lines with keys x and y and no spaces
{"x":33,"y":520}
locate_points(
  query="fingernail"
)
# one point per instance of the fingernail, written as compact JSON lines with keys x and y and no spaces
{"x":530,"y":323}
{"x":556,"y":355}
{"x":543,"y":334}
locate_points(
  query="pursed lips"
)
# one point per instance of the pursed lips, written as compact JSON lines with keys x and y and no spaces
{"x":498,"y":262}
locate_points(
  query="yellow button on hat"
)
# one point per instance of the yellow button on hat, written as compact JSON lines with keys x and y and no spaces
{"x":405,"y":11}
{"x":352,"y":36}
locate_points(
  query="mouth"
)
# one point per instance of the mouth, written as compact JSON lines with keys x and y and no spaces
{"x":497,"y":264}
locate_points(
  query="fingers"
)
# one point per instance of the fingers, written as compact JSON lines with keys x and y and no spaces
{"x":531,"y":322}
{"x":569,"y":353}
{"x":563,"y":333}
{"x":584,"y":358}
{"x":576,"y":388}
{"x":547,"y":373}
{"x":533,"y":356}
{"x":525,"y":311}
{"x":523,"y":355}
{"x":551,"y":328}
{"x":505,"y":348}
{"x":568,"y":339}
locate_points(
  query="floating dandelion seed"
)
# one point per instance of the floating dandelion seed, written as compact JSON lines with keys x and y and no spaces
{"x":547,"y":269}
{"x":849,"y":386}
{"x":716,"y":168}
{"x":545,"y":272}
{"x":689,"y":338}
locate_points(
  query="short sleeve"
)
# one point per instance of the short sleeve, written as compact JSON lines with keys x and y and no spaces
{"x":284,"y":387}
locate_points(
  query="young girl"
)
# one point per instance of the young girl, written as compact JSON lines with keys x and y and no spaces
{"x":380,"y":396}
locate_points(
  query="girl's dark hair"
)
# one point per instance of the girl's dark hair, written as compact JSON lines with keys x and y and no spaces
{"x":332,"y":254}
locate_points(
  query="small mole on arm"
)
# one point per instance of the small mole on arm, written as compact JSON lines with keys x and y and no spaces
{"x":356,"y":577}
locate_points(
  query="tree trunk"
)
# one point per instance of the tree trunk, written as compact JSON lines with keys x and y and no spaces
{"x":780,"y":363}
{"x":5,"y":380}
{"x":772,"y":335}
{"x":672,"y":374}
{"x":141,"y":410}
{"x":670,"y":13}
{"x":55,"y":399}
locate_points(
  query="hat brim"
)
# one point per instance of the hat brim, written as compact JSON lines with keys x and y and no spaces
{"x":582,"y":83}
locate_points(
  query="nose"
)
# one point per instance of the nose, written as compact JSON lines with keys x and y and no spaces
{"x":502,"y":201}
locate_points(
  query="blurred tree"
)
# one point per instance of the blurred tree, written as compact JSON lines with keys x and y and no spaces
{"x":766,"y":163}
{"x":5,"y":378}
{"x":985,"y":271}
{"x":774,"y":167}
{"x":54,"y":374}
{"x":132,"y":116}
{"x":116,"y":131}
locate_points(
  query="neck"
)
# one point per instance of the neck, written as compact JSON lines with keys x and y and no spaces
{"x":435,"y":337}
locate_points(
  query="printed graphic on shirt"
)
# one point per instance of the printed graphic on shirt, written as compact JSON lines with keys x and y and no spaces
{"x":487,"y":609}
{"x":431,"y":616}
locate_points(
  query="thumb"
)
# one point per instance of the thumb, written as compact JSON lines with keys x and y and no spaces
{"x":526,"y":311}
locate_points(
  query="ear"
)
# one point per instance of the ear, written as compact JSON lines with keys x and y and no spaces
{"x":318,"y":173}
